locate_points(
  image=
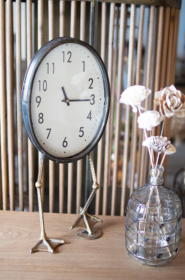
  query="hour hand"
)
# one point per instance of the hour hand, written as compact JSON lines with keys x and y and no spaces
{"x":65,"y":97}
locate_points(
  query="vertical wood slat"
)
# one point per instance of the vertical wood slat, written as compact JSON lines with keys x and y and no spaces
{"x":40,"y":44}
{"x":127,"y":110}
{"x":51,"y":163}
{"x":177,"y":15}
{"x":165,"y":46}
{"x":70,"y":165}
{"x":79,"y":162}
{"x":138,"y":76}
{"x":156,"y":130}
{"x":30,"y":146}
{"x":107,"y":135}
{"x":169,"y":81}
{"x":61,"y":166}
{"x":144,"y":152}
{"x":100,"y":144}
{"x":19,"y":115}
{"x":134,"y":123}
{"x":3,"y":107}
{"x":159,"y":51}
{"x":113,"y":87}
{"x":10,"y":105}
{"x":164,"y":52}
{"x":172,"y":78}
{"x":118,"y":106}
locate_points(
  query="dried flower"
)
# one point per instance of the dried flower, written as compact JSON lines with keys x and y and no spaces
{"x":158,"y":143}
{"x":133,"y":96}
{"x":171,"y":102}
{"x":149,"y":119}
{"x":170,"y":150}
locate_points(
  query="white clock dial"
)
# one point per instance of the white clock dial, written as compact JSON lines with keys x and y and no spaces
{"x":67,"y":101}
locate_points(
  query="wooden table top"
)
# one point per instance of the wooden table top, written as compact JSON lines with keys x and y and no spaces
{"x":104,"y":258}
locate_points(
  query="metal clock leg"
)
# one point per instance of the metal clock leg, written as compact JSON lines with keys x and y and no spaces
{"x":44,"y":244}
{"x":86,"y":221}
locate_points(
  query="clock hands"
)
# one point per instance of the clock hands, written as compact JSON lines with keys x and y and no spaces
{"x":65,"y":96}
{"x":75,"y":100}
{"x":67,"y":100}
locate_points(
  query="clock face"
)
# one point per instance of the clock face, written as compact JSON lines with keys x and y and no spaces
{"x":68,"y":101}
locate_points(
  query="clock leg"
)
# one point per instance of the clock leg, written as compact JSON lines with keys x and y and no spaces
{"x":85,"y":221}
{"x":44,"y":244}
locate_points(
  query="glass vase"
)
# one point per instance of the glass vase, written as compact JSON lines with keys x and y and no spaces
{"x":153,"y":222}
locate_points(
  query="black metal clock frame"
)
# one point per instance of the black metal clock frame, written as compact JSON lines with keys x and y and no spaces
{"x":27,"y":92}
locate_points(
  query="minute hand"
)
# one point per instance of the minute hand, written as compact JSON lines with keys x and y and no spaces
{"x":76,"y":100}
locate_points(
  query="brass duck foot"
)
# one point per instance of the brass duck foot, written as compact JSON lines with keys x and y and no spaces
{"x":47,"y":245}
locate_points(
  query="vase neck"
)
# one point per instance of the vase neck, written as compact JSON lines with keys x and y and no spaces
{"x":156,"y":176}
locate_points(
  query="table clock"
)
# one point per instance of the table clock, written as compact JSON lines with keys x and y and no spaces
{"x":65,"y":105}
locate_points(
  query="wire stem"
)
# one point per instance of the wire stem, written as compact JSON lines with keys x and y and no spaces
{"x":149,"y":150}
{"x":162,"y":160}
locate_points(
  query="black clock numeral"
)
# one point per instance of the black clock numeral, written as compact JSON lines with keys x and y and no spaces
{"x":48,"y":67}
{"x":69,"y":58}
{"x":38,"y":100}
{"x":44,"y":85}
{"x":91,"y":80}
{"x":83,"y":66}
{"x":48,"y":132}
{"x":93,"y":99}
{"x":63,"y":56}
{"x":81,"y":131}
{"x":70,"y":54}
{"x":89,"y":116}
{"x":41,"y":118}
{"x":65,"y":143}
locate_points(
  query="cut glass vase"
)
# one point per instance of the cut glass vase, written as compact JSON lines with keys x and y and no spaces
{"x":153,"y":222}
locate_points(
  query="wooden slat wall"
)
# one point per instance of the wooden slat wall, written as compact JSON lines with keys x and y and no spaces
{"x":19,"y":115}
{"x":61,"y":166}
{"x":118,"y":106}
{"x":70,"y":165}
{"x":30,"y":146}
{"x":79,"y":163}
{"x":100,"y":144}
{"x":127,"y":111}
{"x":10,"y":105}
{"x":144,"y":152}
{"x":51,"y":163}
{"x":3,"y":109}
{"x":40,"y":44}
{"x":138,"y":82}
{"x":72,"y":19}
{"x":107,"y":149}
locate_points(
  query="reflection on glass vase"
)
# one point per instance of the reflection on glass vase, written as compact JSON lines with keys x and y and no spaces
{"x":153,"y":222}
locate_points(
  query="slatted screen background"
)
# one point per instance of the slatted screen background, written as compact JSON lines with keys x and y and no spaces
{"x":138,"y":45}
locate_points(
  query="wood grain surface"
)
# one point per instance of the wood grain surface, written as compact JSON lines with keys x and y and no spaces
{"x":104,"y":258}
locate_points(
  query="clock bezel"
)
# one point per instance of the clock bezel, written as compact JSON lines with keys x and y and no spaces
{"x":27,"y":92}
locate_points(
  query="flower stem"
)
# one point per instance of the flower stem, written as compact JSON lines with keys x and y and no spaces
{"x":162,"y":160}
{"x":162,"y":127}
{"x":156,"y":164}
{"x":149,"y":150}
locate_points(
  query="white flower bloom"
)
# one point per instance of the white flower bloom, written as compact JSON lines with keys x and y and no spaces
{"x":171,"y":102}
{"x":149,"y":119}
{"x":170,"y":150}
{"x":133,"y":96}
{"x":158,"y":143}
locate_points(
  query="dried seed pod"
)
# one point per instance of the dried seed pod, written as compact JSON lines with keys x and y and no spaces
{"x":171,"y":150}
{"x":158,"y":143}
